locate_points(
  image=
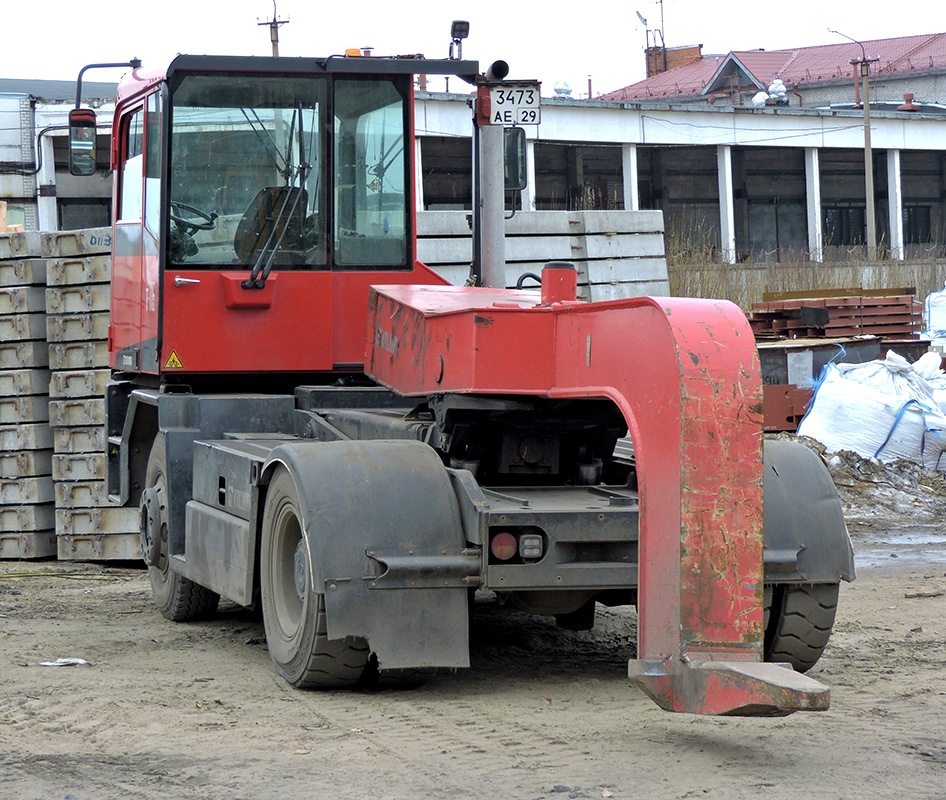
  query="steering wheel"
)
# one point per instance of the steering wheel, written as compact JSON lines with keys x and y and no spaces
{"x":190,"y":226}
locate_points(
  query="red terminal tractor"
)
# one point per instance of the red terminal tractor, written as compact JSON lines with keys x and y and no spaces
{"x":312,"y":421}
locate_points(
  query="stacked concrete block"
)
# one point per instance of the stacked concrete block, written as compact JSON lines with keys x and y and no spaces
{"x":617,"y":254}
{"x":78,"y":275}
{"x":27,"y":520}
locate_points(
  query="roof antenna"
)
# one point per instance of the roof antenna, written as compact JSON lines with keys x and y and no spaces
{"x":651,"y":48}
{"x":274,"y":24}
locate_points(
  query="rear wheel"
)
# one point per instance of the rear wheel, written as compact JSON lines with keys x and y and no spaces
{"x":177,"y":598}
{"x":293,"y":611}
{"x":798,"y":624}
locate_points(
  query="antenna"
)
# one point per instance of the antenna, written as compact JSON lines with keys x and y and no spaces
{"x":646,"y":29}
{"x":274,"y":24}
{"x":652,"y":47}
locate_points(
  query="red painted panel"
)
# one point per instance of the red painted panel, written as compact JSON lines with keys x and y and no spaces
{"x":126,"y":286}
{"x":299,"y":322}
{"x":285,"y":327}
{"x":422,"y":351}
{"x":351,"y":291}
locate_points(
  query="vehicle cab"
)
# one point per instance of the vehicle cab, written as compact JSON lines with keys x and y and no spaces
{"x":255,"y":201}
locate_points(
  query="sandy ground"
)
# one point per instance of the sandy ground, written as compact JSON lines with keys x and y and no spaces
{"x":195,"y":710}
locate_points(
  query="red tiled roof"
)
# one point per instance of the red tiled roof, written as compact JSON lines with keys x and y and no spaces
{"x":686,"y":80}
{"x":925,"y":53}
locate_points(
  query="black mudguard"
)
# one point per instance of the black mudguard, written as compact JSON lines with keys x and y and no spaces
{"x":385,"y":547}
{"x":806,"y":540}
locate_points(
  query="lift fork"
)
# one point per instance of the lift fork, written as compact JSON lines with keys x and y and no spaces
{"x":685,"y":374}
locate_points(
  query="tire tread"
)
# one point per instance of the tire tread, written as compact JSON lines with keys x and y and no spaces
{"x":333,"y":663}
{"x":191,"y":601}
{"x":800,"y":623}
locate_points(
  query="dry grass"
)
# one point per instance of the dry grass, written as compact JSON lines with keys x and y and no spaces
{"x":745,"y":284}
{"x":698,"y":271}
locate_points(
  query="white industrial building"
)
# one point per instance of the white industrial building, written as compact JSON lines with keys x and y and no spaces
{"x":755,"y":181}
{"x":35,"y":183}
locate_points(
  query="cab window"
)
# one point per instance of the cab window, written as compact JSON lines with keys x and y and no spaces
{"x":132,"y":174}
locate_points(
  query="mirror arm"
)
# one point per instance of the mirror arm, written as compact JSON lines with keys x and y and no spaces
{"x":134,"y":63}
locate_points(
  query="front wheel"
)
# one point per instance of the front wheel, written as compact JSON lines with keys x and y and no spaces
{"x":798,"y":622}
{"x":177,"y":598}
{"x":293,"y":611}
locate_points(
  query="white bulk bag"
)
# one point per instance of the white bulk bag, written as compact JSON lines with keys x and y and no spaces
{"x":934,"y":313}
{"x":880,"y":409}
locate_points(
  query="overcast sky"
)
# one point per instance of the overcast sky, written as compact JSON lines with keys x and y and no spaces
{"x":603,"y":39}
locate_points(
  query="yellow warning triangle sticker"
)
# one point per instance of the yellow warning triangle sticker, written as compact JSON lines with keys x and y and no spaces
{"x":173,"y":362}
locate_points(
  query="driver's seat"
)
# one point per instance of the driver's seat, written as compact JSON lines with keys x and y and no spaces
{"x":259,"y":220}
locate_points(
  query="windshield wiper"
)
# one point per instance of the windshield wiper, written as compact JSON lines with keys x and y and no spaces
{"x":267,"y":254}
{"x":269,"y":144}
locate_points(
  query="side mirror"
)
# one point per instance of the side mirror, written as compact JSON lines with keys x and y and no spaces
{"x":82,"y":126}
{"x":515,"y":159}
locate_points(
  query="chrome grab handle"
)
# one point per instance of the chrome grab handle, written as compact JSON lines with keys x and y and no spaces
{"x":179,"y":281}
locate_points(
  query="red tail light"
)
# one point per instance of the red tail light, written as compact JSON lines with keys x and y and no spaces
{"x":503,"y":546}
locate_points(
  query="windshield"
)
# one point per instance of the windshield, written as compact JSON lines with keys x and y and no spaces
{"x":260,"y":179}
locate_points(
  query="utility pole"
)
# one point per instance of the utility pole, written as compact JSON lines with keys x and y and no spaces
{"x":274,"y":24}
{"x":864,"y":64}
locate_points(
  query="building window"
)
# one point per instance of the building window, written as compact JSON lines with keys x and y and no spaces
{"x":84,"y":212}
{"x":917,"y":228}
{"x":844,"y":225}
{"x":573,"y":177}
{"x":447,"y":164}
{"x":15,"y":217}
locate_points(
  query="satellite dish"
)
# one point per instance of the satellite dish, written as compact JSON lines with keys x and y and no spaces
{"x":641,"y":18}
{"x":562,"y":89}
